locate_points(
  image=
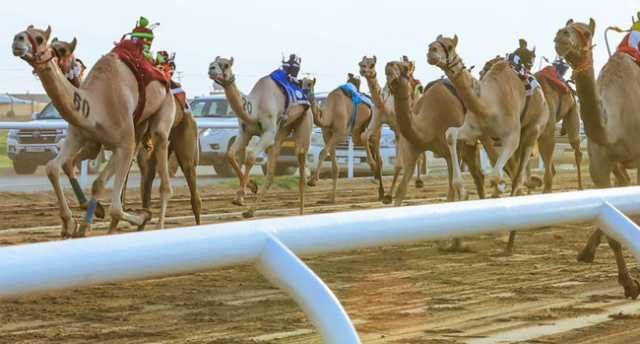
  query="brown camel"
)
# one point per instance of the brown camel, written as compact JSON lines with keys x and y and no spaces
{"x":100,"y":113}
{"x":262,"y":113}
{"x":337,"y":120}
{"x":384,"y":113}
{"x":610,"y":109}
{"x":504,"y":113}
{"x":424,"y":126}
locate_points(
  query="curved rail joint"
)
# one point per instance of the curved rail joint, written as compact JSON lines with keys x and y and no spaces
{"x":618,"y":226}
{"x":285,"y":270}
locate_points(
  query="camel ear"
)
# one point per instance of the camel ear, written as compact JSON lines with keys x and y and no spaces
{"x":349,"y":76}
{"x":592,"y":26}
{"x":231,"y":61}
{"x":73,"y":45}
{"x":455,"y":41}
{"x":47,"y":33}
{"x":534,"y":51}
{"x":569,"y":22}
{"x":313,"y":83}
{"x":30,"y":27}
{"x":375,"y":59}
{"x":439,"y":37}
{"x":523,"y":43}
{"x":55,"y":39}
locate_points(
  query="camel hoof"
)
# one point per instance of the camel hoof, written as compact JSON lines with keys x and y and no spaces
{"x":311,"y":182}
{"x":146,"y":217}
{"x":586,"y":256}
{"x":100,"y":212}
{"x":239,"y":201}
{"x":82,"y":230}
{"x":65,"y":232}
{"x":633,"y":291}
{"x":455,"y":248}
{"x":252,"y":186}
{"x":419,"y":184}
{"x":387,"y":199}
{"x":248,"y":214}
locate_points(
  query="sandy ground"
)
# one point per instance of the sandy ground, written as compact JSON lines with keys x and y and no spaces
{"x":408,"y":294}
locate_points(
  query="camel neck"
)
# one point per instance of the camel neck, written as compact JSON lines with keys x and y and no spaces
{"x":376,"y":93}
{"x":238,"y":103}
{"x":402,"y":106}
{"x":73,"y":104}
{"x":463,"y":82}
{"x":316,"y":112}
{"x":590,"y":105}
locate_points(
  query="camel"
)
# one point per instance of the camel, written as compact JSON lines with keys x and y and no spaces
{"x":338,"y":119}
{"x":383,"y":113}
{"x":99,"y":113}
{"x":504,"y":113}
{"x":610,"y":111}
{"x":424,"y":126}
{"x":263,"y":113}
{"x":183,"y":138}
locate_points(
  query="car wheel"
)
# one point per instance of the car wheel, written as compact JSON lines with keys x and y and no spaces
{"x":222,"y":167}
{"x":24,"y":167}
{"x":280,"y":170}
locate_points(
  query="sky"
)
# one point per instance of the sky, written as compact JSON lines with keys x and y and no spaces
{"x":331,"y":36}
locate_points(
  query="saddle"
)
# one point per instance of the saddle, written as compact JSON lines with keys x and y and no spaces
{"x":626,"y":48}
{"x":550,"y":74}
{"x":446,"y":83}
{"x":180,"y":95}
{"x":294,"y":93}
{"x":357,"y":98}
{"x":131,"y":53}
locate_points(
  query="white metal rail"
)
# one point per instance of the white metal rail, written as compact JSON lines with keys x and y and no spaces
{"x":274,"y":245}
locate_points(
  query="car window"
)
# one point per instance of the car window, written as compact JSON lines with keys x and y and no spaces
{"x":198,"y":107}
{"x":219,"y":108}
{"x":49,"y":112}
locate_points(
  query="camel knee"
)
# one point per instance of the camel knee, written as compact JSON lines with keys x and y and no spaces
{"x":451,"y":135}
{"x":53,"y":169}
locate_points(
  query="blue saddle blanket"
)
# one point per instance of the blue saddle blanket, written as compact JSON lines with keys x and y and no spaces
{"x":357,"y":98}
{"x":294,"y":93}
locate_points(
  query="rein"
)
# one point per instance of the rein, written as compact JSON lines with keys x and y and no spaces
{"x":588,"y":61}
{"x":35,"y":60}
{"x":450,"y":64}
{"x":226,"y":83}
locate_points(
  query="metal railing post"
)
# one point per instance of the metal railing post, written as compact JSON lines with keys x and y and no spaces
{"x":285,"y":270}
{"x":350,"y":159}
{"x":618,"y":226}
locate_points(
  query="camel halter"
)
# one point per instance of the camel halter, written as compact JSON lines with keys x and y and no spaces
{"x":37,"y":60}
{"x":586,"y":48}
{"x":448,"y":63}
{"x":226,"y":83}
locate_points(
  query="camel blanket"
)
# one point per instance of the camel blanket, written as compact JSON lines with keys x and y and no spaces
{"x":626,"y":46}
{"x":357,"y":98}
{"x":294,"y":94}
{"x":145,"y":72}
{"x":180,"y":96}
{"x":550,"y":74}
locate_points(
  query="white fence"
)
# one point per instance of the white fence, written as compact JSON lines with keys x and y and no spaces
{"x":274,"y":244}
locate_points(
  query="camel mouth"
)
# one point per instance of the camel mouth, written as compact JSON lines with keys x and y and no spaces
{"x":434,"y":59}
{"x":562,"y":47}
{"x":19,"y":49}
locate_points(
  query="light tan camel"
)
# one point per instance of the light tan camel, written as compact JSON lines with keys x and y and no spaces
{"x":263,"y":113}
{"x":384,"y":113}
{"x":424,"y":125}
{"x":100,"y":112}
{"x":337,"y":122}
{"x":610,"y":109}
{"x":504,"y":113}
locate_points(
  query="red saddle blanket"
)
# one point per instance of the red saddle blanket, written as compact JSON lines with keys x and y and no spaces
{"x":130,"y":53}
{"x":550,"y":74}
{"x":180,"y":96}
{"x":625,"y":48}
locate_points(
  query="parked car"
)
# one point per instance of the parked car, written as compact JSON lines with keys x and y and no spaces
{"x":30,"y":148}
{"x":214,"y":110}
{"x":360,"y":163}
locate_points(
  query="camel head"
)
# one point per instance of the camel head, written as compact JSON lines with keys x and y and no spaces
{"x":32,"y":46}
{"x":396,"y":70}
{"x":220,"y":71}
{"x":527,"y":57}
{"x":63,"y":49}
{"x":308,"y":86}
{"x":410,"y":64}
{"x":368,"y":67}
{"x":573,"y":42}
{"x":354,"y":80}
{"x":442,"y":53}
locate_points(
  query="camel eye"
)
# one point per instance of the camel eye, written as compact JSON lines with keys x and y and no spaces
{"x":63,"y":51}
{"x":39,"y":40}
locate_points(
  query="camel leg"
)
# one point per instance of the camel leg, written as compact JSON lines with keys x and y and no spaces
{"x":456,"y":245}
{"x":120,"y":164}
{"x":97,"y":189}
{"x":621,"y":176}
{"x":400,"y":148}
{"x":302,"y":137}
{"x":471,"y":157}
{"x":630,"y":285}
{"x":409,"y":160}
{"x":546,"y":145}
{"x":302,"y":162}
{"x":239,"y":144}
{"x":328,"y":141}
{"x":526,"y":147}
{"x":70,"y":146}
{"x":420,"y":166}
{"x":469,"y":135}
{"x":267,"y":140}
{"x":147,"y":165}
{"x":374,"y":145}
{"x":572,"y":124}
{"x":161,"y":151}
{"x":185,"y":143}
{"x":600,"y":169}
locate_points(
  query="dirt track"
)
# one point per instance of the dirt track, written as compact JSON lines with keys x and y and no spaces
{"x":409,"y":294}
